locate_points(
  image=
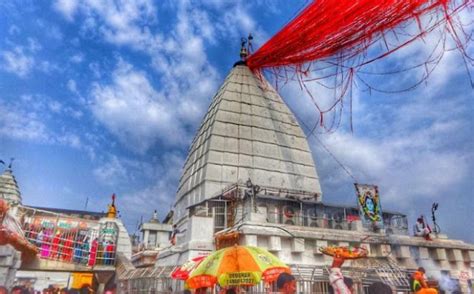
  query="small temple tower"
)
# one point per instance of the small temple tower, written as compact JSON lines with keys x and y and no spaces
{"x":9,"y":257}
{"x":9,"y":190}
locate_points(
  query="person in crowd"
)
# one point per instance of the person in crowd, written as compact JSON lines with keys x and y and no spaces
{"x":101,"y":252}
{"x":379,"y":288}
{"x":45,"y":236}
{"x":201,"y":290}
{"x":32,"y":234}
{"x":93,"y":252}
{"x":55,"y":245}
{"x":86,"y":288}
{"x":109,"y":252}
{"x":348,"y":282}
{"x":286,"y":283}
{"x":173,"y":235}
{"x":78,"y":249}
{"x":339,"y":283}
{"x":418,"y":283}
{"x":3,"y":290}
{"x":68,"y":247}
{"x":422,"y":229}
{"x":39,"y":240}
{"x":85,"y":250}
{"x":17,"y":290}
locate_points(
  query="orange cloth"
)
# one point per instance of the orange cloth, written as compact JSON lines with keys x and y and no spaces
{"x":427,"y":291}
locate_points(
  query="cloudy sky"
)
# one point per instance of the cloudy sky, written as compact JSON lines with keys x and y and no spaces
{"x":102,"y":97}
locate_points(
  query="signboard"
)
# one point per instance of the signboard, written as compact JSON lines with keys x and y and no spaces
{"x":239,"y":279}
{"x":61,"y":223}
{"x":368,"y":200}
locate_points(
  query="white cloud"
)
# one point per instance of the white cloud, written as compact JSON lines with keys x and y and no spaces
{"x":410,"y":145}
{"x":71,"y":140}
{"x":118,"y":22}
{"x":20,"y":60}
{"x":67,"y":7}
{"x":31,"y":118}
{"x":405,"y":168}
{"x":13,"y":30}
{"x":95,"y":69}
{"x":134,"y":111}
{"x":55,"y":106}
{"x":71,"y":85}
{"x":111,"y":172}
{"x":33,"y":45}
{"x":21,"y":125}
{"x":16,"y":61}
{"x":48,"y":67}
{"x":77,"y":58}
{"x":160,"y":194}
{"x":187,"y":80}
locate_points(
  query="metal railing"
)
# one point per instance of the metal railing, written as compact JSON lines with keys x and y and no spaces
{"x":310,"y":221}
{"x":72,"y":246}
{"x":90,"y":246}
{"x":337,"y":223}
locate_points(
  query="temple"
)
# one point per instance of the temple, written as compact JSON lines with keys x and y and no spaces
{"x":250,"y":179}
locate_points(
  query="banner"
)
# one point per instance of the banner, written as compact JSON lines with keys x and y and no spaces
{"x":368,"y":200}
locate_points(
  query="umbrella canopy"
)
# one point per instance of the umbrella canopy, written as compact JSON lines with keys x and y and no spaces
{"x":182,"y":272}
{"x":237,"y":266}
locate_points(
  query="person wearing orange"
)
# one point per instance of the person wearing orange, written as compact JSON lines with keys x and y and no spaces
{"x":418,"y":283}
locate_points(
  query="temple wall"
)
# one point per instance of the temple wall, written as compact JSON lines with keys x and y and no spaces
{"x":10,"y":262}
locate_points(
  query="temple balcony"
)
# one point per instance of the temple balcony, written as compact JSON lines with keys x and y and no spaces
{"x":237,"y":204}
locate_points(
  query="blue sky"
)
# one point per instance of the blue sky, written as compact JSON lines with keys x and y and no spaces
{"x":98,"y":97}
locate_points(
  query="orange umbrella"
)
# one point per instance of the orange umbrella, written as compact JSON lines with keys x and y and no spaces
{"x":237,"y":266}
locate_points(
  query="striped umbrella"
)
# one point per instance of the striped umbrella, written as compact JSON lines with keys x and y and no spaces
{"x":237,"y":266}
{"x":182,"y":272}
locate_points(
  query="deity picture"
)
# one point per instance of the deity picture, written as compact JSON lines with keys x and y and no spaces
{"x":369,"y":203}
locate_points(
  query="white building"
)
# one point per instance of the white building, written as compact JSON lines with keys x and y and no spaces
{"x":250,"y":172}
{"x":155,"y":236}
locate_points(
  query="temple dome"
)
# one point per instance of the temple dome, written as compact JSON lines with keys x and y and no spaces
{"x":247,"y":132}
{"x":9,"y":188}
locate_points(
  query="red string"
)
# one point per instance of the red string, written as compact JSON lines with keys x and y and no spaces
{"x":327,"y":27}
{"x":340,"y":32}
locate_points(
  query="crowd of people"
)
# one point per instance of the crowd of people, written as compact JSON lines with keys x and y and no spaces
{"x":85,"y":289}
{"x":338,"y":284}
{"x":70,"y":245}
